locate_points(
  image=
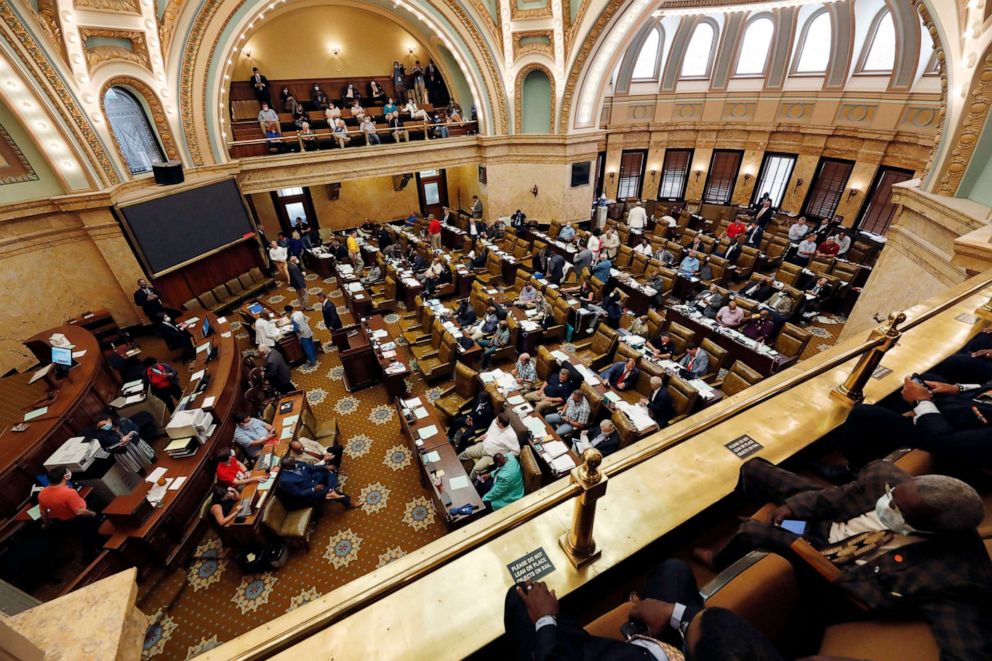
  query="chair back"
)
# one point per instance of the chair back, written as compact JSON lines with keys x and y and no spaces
{"x":681,"y":336}
{"x":545,"y":363}
{"x":466,"y":385}
{"x":604,"y":339}
{"x":234,"y":286}
{"x":208,"y":299}
{"x":597,"y":288}
{"x":655,"y":321}
{"x":683,"y":396}
{"x":739,"y":377}
{"x":717,"y":356}
{"x":639,"y":264}
{"x":530,"y":469}
{"x":788,"y":273}
{"x":792,"y":340}
{"x":390,"y":288}
{"x":624,"y":256}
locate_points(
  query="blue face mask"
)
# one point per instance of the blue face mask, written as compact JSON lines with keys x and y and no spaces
{"x":107,"y":427}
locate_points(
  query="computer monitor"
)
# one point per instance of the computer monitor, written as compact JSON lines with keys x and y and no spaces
{"x":255,"y":308}
{"x":62,"y":356}
{"x":206,"y":327}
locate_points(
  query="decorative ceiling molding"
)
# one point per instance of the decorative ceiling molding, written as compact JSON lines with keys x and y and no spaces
{"x":544,"y":48}
{"x":97,"y":55}
{"x":590,"y":40}
{"x":115,"y":6}
{"x":51,"y":24}
{"x":518,"y":117}
{"x":14,"y":166}
{"x":157,"y":114}
{"x":519,"y":14}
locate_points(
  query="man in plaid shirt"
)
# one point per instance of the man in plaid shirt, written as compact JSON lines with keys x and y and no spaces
{"x":903,"y":545}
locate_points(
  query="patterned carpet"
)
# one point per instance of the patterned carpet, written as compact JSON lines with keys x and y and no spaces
{"x":220,"y":602}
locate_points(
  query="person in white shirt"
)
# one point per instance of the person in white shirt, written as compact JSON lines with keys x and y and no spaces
{"x":595,"y":244}
{"x":302,"y":328}
{"x":279,"y":256}
{"x":844,"y":241}
{"x":266,"y":332}
{"x":500,"y":437}
{"x":266,"y":115}
{"x":644,"y":247}
{"x":415,"y":112}
{"x":798,"y":230}
{"x":668,"y":220}
{"x":637,"y":217}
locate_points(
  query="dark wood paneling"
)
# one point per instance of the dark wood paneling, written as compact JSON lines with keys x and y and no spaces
{"x":332,"y":87}
{"x":203,"y":275}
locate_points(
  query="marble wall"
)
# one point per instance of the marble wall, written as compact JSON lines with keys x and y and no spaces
{"x":363,"y":199}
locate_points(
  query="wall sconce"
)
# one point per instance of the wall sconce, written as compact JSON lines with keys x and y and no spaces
{"x":799,"y":182}
{"x":410,"y":49}
{"x":534,"y":190}
{"x":698,"y":173}
{"x":747,"y":177}
{"x":612,"y":173}
{"x":335,"y":50}
{"x":654,"y":173}
{"x":247,"y":53}
{"x":851,"y":193}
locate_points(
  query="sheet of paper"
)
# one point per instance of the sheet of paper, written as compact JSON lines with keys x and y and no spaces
{"x":226,"y":334}
{"x":432,"y":457}
{"x":287,"y":432}
{"x":459,"y":482}
{"x":265,"y":486}
{"x":555,"y":449}
{"x":130,"y":385}
{"x":221,"y":320}
{"x":410,"y":403}
{"x":563,"y":464}
{"x":134,"y":399}
{"x":37,"y":413}
{"x":290,"y":420}
{"x":560,"y":356}
{"x":427,"y":432}
{"x":156,"y":474}
{"x":197,"y":375}
{"x":35,"y":512}
{"x":514,"y":400}
{"x":421,"y":413}
{"x":79,"y":354}
{"x":208,"y":402}
{"x":176,"y":483}
{"x":117,"y":403}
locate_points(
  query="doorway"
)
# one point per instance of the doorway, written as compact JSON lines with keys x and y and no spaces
{"x":432,"y":188}
{"x":293,"y":206}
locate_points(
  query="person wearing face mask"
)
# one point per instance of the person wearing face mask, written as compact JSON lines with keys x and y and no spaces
{"x":123,"y":442}
{"x":231,"y":472}
{"x":251,"y":434}
{"x":223,"y":500}
{"x":176,"y":336}
{"x":65,"y":511}
{"x":900,"y":544}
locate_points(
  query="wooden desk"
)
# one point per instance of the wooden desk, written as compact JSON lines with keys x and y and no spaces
{"x":250,"y":532}
{"x":82,"y":395}
{"x":766,"y":364}
{"x":168,"y":533}
{"x":638,"y":300}
{"x":103,"y":327}
{"x":288,"y":343}
{"x":446,"y":462}
{"x":395,"y":382}
{"x":321,"y":263}
{"x":359,"y":301}
{"x":357,"y":359}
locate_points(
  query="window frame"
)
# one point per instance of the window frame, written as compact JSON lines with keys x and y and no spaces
{"x":801,"y":46}
{"x":768,"y":53}
{"x":812,"y":188}
{"x":685,"y":178}
{"x":715,"y":27}
{"x":640,"y":174}
{"x":657,"y":56}
{"x":873,"y":189}
{"x":142,"y":105}
{"x":757,"y":192}
{"x":860,"y":70}
{"x":733,"y":179}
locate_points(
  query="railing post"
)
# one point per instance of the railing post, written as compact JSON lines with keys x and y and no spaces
{"x":578,"y":543}
{"x":985,"y":311}
{"x":852,"y":390}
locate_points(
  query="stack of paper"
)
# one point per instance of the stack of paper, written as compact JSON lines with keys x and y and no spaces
{"x":554,"y":449}
{"x":560,"y":356}
{"x":427,"y":432}
{"x":590,"y":377}
{"x":412,"y":403}
{"x":705,"y":390}
{"x":421,"y":413}
{"x":562,"y":464}
{"x":535,"y":426}
{"x":638,"y":415}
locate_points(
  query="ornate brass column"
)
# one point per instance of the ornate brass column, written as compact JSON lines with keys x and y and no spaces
{"x":852,"y":390}
{"x":578,"y":543}
{"x":985,"y":311}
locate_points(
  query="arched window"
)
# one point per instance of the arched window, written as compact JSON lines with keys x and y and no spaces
{"x":880,"y":46}
{"x":814,"y":49}
{"x":699,"y":52}
{"x":754,"y":47}
{"x":646,"y":65}
{"x":132,"y":129}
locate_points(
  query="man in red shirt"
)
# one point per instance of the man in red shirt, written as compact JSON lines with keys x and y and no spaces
{"x":735,"y":228}
{"x":62,"y":507}
{"x":434,"y":230}
{"x":828,"y":248}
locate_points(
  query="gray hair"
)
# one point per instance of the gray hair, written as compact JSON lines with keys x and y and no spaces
{"x":956,"y":505}
{"x":656,"y":381}
{"x":606,"y":425}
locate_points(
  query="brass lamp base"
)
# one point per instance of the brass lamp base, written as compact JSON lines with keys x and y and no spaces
{"x":984,"y":312}
{"x":578,"y":557}
{"x":841,"y":394}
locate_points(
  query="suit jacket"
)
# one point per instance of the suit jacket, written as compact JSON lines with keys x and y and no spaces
{"x":276,"y":368}
{"x":758,"y":291}
{"x":717,"y":301}
{"x":151,"y":307}
{"x":265,"y":82}
{"x":482,"y":416}
{"x":567,"y":640}
{"x":763,"y":217}
{"x":296,"y":279}
{"x":753,"y":237}
{"x":700,"y":364}
{"x":331,"y":318}
{"x":660,"y":406}
{"x":555,"y":267}
{"x":946,"y":579}
{"x":615,"y":371}
{"x":607,"y":444}
{"x":175,"y":337}
{"x":467,"y":317}
{"x":582,"y":259}
{"x":733,"y":253}
{"x":296,"y":487}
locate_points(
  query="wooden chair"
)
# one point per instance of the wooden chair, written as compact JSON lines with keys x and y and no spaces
{"x":292,"y":526}
{"x":681,"y":336}
{"x":738,"y":378}
{"x":440,"y":365}
{"x":788,"y":273}
{"x":459,"y":396}
{"x":717,"y":356}
{"x":597,"y":351}
{"x":531,"y":470}
{"x":414,"y":319}
{"x":545,"y":362}
{"x":387,"y":301}
{"x":424,"y":351}
{"x":792,"y":340}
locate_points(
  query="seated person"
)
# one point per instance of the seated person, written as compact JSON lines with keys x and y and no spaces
{"x":525,"y":372}
{"x":376,"y":93}
{"x":659,"y":402}
{"x":734,"y":250}
{"x":389,"y":110}
{"x":223,"y":504}
{"x":301,"y":485}
{"x":709,"y":301}
{"x":311,"y":452}
{"x":843,"y":240}
{"x":730,"y":315}
{"x":267,"y":116}
{"x":251,"y":434}
{"x":528,"y":294}
{"x":689,"y":267}
{"x":759,"y":289}
{"x":639,"y":326}
{"x":606,"y":440}
{"x":367,"y":127}
{"x":567,"y":232}
{"x":828,"y":248}
{"x":601,"y":269}
{"x":813,"y":298}
{"x":644,"y":247}
{"x":374,"y":275}
{"x":340,"y":133}
{"x":665,"y":256}
{"x":503,"y":484}
{"x":499,"y":438}
{"x":332,"y":114}
{"x":798,"y":230}
{"x":572,"y":417}
{"x":465,"y":314}
{"x":695,"y":360}
{"x":231,"y":472}
{"x":438,"y":130}
{"x":924,"y":558}
{"x":970,"y":364}
{"x":671,"y":614}
{"x":307,"y":137}
{"x":492,"y":344}
{"x":805,"y":251}
{"x":759,"y":327}
{"x":273,"y":134}
{"x":299,"y":116}
{"x":415,"y":113}
{"x":780,"y":302}
{"x":662,"y":347}
{"x":480,"y":259}
{"x":477,"y":420}
{"x":734,"y":229}
{"x":357,"y":111}
{"x":61,"y":507}
{"x":176,"y":336}
{"x":487,"y":326}
{"x":622,"y":374}
{"x":553,"y":392}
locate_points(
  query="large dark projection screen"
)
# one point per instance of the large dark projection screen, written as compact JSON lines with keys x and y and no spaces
{"x":175,"y":229}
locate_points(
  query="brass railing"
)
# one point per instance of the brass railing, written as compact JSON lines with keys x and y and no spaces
{"x":453,"y":545}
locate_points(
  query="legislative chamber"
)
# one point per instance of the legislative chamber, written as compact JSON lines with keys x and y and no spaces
{"x":545,"y":329}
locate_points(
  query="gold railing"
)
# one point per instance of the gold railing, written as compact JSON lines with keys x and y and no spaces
{"x":366,"y":590}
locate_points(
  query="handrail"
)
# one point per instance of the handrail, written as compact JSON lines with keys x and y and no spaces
{"x":384,"y":581}
{"x":292,"y":137}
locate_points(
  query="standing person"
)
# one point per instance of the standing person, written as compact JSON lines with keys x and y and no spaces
{"x":419,"y":86}
{"x":62,"y":507}
{"x":276,"y":370}
{"x":399,"y":81}
{"x":611,"y":243}
{"x":280,"y":256}
{"x":123,"y":442}
{"x":260,"y":85}
{"x":354,"y":250}
{"x":476,"y":207}
{"x":164,"y":381}
{"x":330,"y":312}
{"x":148,"y":299}
{"x":302,"y":328}
{"x":176,"y":336}
{"x":298,"y":282}
{"x":266,"y":332}
{"x":637,"y":218}
{"x":434,"y":231}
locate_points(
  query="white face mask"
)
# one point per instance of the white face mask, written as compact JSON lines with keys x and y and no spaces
{"x":891,"y":517}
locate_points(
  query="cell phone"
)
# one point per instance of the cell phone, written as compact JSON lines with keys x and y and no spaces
{"x":794,"y":526}
{"x":632,"y":628}
{"x":918,"y":379}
